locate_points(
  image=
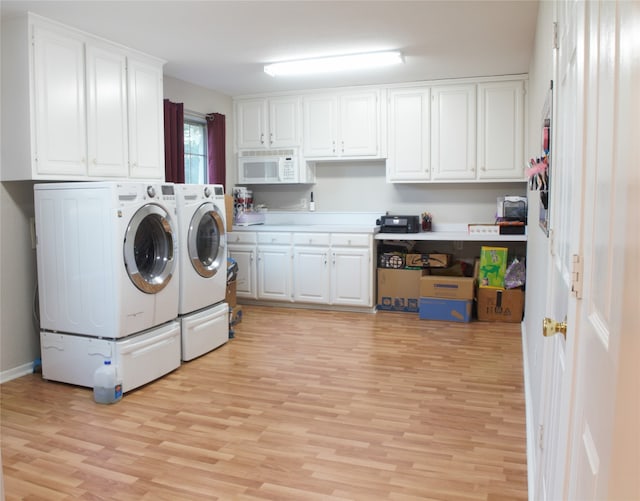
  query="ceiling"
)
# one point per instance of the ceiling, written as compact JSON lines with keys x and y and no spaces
{"x":223,"y":45}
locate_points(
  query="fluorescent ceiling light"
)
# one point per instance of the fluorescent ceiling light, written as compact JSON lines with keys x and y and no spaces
{"x":336,"y":63}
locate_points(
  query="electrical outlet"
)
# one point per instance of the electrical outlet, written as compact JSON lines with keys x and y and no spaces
{"x":303,"y":203}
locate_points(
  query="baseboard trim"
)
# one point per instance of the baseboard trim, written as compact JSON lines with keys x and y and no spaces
{"x":529,"y":417}
{"x":16,"y":372}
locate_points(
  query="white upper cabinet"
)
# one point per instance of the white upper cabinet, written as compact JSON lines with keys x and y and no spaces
{"x":59,"y":135}
{"x":501,"y":130}
{"x":107,"y":132}
{"x":342,"y":125}
{"x":146,"y":119}
{"x":409,"y":135}
{"x":453,"y":132}
{"x":76,"y":106}
{"x":268,"y":123}
{"x":472,"y":131}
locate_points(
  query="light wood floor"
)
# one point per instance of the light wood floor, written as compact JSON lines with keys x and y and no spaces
{"x":301,"y":405}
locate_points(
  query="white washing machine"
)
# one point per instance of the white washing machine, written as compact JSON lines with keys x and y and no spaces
{"x":204,"y":316}
{"x":107,"y":257}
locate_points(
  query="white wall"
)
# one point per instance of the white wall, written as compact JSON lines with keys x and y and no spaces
{"x":540,"y":75}
{"x":361,"y":186}
{"x":19,"y":342}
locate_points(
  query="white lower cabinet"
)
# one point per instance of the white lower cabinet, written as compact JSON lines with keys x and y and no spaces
{"x":333,"y":268}
{"x":274,"y":266}
{"x":243,"y":248}
{"x":304,"y":267}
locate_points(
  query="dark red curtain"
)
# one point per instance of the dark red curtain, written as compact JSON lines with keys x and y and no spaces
{"x":216,"y":138}
{"x":173,"y":142}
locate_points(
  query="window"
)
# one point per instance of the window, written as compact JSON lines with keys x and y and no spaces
{"x":195,"y":151}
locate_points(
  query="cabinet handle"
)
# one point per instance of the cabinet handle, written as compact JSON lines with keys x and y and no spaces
{"x":271,"y":138}
{"x":483,"y":169}
{"x":342,"y":146}
{"x":333,"y":143}
{"x":262,"y":138}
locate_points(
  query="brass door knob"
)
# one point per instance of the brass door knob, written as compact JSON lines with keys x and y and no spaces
{"x":551,"y":327}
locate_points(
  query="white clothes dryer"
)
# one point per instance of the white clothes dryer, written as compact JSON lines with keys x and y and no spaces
{"x":203,"y":245}
{"x":203,"y":268}
{"x":107,"y":257}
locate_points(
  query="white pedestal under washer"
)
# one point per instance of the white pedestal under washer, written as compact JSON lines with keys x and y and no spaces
{"x":203,"y":268}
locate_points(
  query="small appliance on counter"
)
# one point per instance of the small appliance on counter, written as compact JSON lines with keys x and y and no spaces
{"x":512,"y":208}
{"x":399,"y":224}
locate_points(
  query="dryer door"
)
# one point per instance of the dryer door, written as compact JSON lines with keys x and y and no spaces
{"x":149,"y":248}
{"x":206,"y":242}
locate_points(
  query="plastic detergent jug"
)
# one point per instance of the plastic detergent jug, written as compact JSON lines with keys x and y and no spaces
{"x":107,"y":388}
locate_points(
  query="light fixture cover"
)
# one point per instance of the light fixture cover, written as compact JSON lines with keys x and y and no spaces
{"x":346,"y":62}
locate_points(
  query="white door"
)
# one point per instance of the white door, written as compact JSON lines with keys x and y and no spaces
{"x":284,"y":117}
{"x":358,"y":125}
{"x":501,"y":130}
{"x":245,"y":256}
{"x":274,"y":272}
{"x":564,"y":236}
{"x":594,"y":452}
{"x":311,"y":274}
{"x":320,"y":126}
{"x":107,"y":136}
{"x":59,"y":88}
{"x":350,"y":277}
{"x":408,"y":135}
{"x":146,"y":120}
{"x":604,"y":439}
{"x":453,"y":132}
{"x":252,"y":123}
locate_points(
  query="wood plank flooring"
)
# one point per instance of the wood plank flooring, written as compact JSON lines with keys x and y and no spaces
{"x":300,"y":405}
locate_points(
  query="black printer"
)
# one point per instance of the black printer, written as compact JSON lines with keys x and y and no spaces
{"x":399,"y":224}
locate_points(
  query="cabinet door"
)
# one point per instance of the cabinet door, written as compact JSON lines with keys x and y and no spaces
{"x":358,"y":129}
{"x":320,"y":126}
{"x":311,"y":274}
{"x":409,"y":136}
{"x":274,"y":272}
{"x":146,"y":120}
{"x":107,"y":136}
{"x":350,"y":277}
{"x":453,"y":132}
{"x":59,"y":95}
{"x":251,"y":128}
{"x":501,"y":130}
{"x":284,"y":130}
{"x":245,"y":256}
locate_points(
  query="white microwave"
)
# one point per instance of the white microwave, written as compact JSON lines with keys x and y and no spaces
{"x":268,"y":167}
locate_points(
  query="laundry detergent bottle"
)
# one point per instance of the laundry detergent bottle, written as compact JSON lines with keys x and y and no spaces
{"x":107,"y":387}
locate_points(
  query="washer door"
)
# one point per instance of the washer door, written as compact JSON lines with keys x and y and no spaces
{"x":149,"y":248}
{"x":206,"y":242}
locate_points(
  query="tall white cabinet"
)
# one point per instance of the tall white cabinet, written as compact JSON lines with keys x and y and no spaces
{"x":77,"y":107}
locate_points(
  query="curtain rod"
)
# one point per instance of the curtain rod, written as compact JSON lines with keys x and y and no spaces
{"x":194,"y":113}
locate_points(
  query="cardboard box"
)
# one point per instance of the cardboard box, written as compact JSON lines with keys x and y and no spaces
{"x":399,"y":290}
{"x":500,"y":305}
{"x":450,"y":310}
{"x":435,"y":286}
{"x":228,"y":209}
{"x":493,"y":266}
{"x":428,"y":260}
{"x":230,"y":296}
